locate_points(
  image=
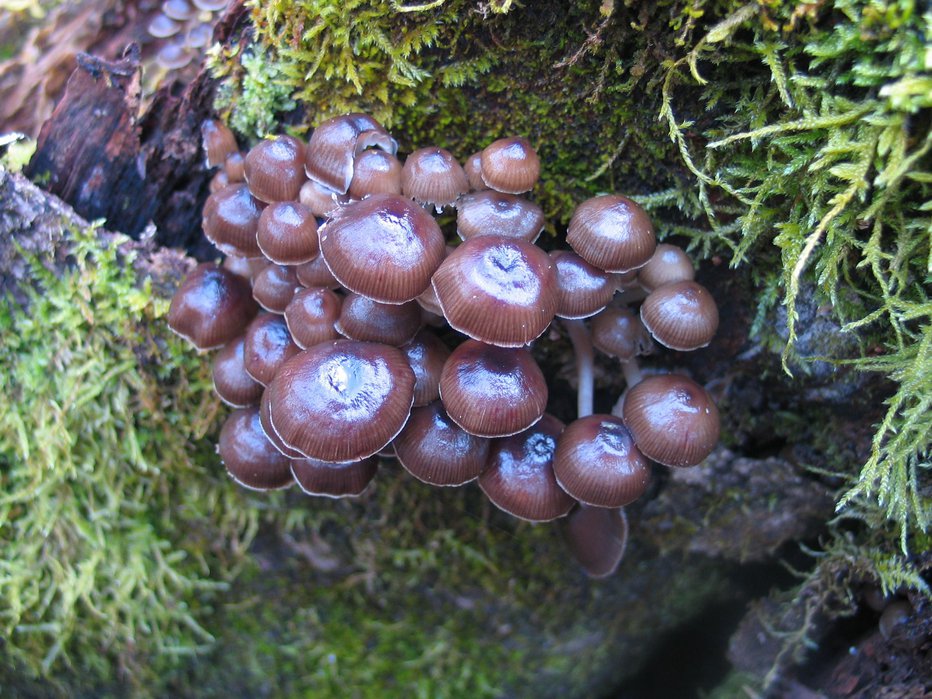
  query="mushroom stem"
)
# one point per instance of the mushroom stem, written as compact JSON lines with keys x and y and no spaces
{"x":582,"y":344}
{"x":633,"y":377}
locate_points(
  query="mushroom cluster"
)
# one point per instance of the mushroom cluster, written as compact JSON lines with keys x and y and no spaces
{"x":185,"y":28}
{"x":338,"y":284}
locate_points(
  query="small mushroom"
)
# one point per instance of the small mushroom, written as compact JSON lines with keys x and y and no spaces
{"x":681,"y":315}
{"x":287,"y":233}
{"x":510,"y":165}
{"x":249,"y":456}
{"x":274,"y":169}
{"x":612,"y":232}
{"x":211,"y":307}
{"x":432,"y":176}
{"x":334,"y":480}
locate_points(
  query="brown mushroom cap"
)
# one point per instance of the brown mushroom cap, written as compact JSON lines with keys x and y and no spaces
{"x":597,"y":538}
{"x":211,"y":307}
{"x":162,"y":27}
{"x":341,"y":401}
{"x":332,"y":148}
{"x":267,"y":346}
{"x":274,"y":169}
{"x":433,"y":176}
{"x":384,"y":247}
{"x":316,"y":274}
{"x":274,"y":286}
{"x":668,"y":264}
{"x":497,"y":290}
{"x":235,"y":167}
{"x":510,"y":165}
{"x":612,"y":232}
{"x":249,"y":457}
{"x":265,"y":420}
{"x":245,"y":267}
{"x":519,"y":477}
{"x":334,"y":480}
{"x":673,"y":420}
{"x":218,"y":182}
{"x":375,"y":172}
{"x":231,"y":380}
{"x":363,"y":319}
{"x":310,"y":316}
{"x":598,"y":463}
{"x":287,"y":233}
{"x":582,"y":289}
{"x":436,"y":450}
{"x":426,"y":354}
{"x":217,"y":139}
{"x":492,"y":391}
{"x":473,"y":169}
{"x":681,"y":315}
{"x":320,"y":199}
{"x":495,"y":213}
{"x":617,"y":332}
{"x":231,"y":219}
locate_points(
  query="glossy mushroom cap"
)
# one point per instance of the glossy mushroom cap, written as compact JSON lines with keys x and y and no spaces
{"x":334,"y":480}
{"x":436,"y":450}
{"x":519,"y":477}
{"x":162,"y":27}
{"x":384,"y":247}
{"x":433,"y":176}
{"x":598,"y":463}
{"x":231,"y":380}
{"x":426,"y":354}
{"x":473,"y":169}
{"x":597,"y":538}
{"x":320,"y":199}
{"x":249,"y":457}
{"x":682,"y":315}
{"x":497,"y":290}
{"x":617,"y":332}
{"x":231,"y":219}
{"x":668,"y":264}
{"x":672,"y":419}
{"x":492,"y":391}
{"x":582,"y":289}
{"x":375,"y":172}
{"x":265,"y":420}
{"x":316,"y":274}
{"x":363,"y":319}
{"x":332,"y":148}
{"x":341,"y":401}
{"x":211,"y":307}
{"x":235,"y":167}
{"x":267,"y":346}
{"x":494,"y":213}
{"x":510,"y":165}
{"x":612,"y":232}
{"x":274,"y":287}
{"x":274,"y":169}
{"x":287,"y":233}
{"x":310,"y":316}
{"x":217,"y":139}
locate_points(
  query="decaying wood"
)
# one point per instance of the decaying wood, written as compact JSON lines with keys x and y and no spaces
{"x":99,"y":154}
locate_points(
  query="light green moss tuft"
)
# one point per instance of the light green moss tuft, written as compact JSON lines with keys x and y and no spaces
{"x":107,"y":523}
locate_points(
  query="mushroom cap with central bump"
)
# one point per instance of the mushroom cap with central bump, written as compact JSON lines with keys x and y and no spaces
{"x":510,"y":165}
{"x":682,"y":315}
{"x":492,"y":391}
{"x":332,"y":148}
{"x":495,"y":213}
{"x":433,"y":176}
{"x":673,"y":419}
{"x":498,"y":290}
{"x":274,"y":169}
{"x":519,"y":477}
{"x":231,"y":220}
{"x":598,"y":463}
{"x":612,"y":232}
{"x":342,"y":400}
{"x":582,"y":289}
{"x":384,"y":247}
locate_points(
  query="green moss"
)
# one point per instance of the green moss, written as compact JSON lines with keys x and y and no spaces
{"x":102,"y":550}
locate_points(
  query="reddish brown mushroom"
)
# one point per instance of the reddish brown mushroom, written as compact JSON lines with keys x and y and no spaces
{"x":510,"y":165}
{"x":341,"y":401}
{"x":519,"y":475}
{"x":612,"y":232}
{"x":334,"y":480}
{"x":249,"y":457}
{"x":211,"y":307}
{"x":673,"y":420}
{"x":274,"y":169}
{"x":681,"y":315}
{"x":432,"y":176}
{"x":492,"y":391}
{"x":598,"y":463}
{"x":497,"y":290}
